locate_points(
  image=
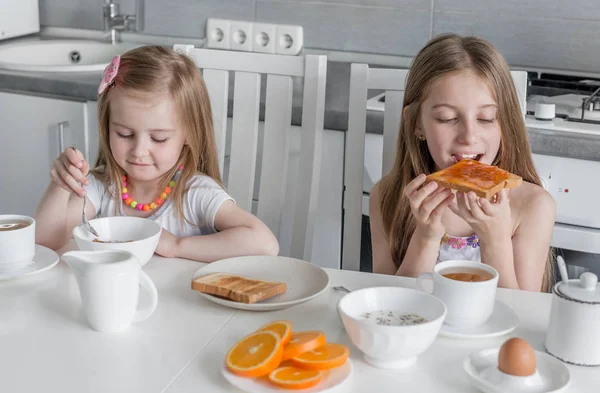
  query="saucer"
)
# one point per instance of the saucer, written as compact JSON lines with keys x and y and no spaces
{"x":336,"y":380}
{"x":502,"y":321}
{"x":551,"y":376}
{"x":44,"y":259}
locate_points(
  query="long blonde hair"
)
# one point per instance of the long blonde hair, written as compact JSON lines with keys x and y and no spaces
{"x":155,"y":69}
{"x":442,"y":55}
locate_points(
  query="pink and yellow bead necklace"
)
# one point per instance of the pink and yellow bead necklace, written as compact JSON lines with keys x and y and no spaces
{"x":159,"y":201}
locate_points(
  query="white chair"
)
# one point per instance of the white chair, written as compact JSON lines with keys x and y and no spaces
{"x":216,"y":66}
{"x":392,"y":81}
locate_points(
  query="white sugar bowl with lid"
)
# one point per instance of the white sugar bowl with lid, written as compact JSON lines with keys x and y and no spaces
{"x":574,"y":328}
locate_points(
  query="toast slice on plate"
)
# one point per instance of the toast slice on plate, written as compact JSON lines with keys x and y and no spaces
{"x":472,"y":175}
{"x":238,"y":288}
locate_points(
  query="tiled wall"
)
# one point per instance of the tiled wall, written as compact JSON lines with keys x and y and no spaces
{"x":553,"y":34}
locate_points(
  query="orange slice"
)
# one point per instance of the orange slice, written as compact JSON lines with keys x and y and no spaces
{"x":295,"y":378}
{"x":328,"y":356}
{"x":303,"y":342}
{"x":255,"y":355}
{"x":282,"y":328}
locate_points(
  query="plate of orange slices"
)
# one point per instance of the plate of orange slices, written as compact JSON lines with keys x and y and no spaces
{"x":274,"y":358}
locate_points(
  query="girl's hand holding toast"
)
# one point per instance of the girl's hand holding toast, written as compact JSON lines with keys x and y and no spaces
{"x":427,"y":204}
{"x":70,"y":170}
{"x":489,"y":220}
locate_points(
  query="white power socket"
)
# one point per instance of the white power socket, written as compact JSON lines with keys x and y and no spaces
{"x":254,"y":37}
{"x":264,"y":37}
{"x":290,"y":39}
{"x":218,"y":33}
{"x":241,"y":35}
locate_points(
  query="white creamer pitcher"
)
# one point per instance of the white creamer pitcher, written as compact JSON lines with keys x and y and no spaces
{"x":109,"y":284}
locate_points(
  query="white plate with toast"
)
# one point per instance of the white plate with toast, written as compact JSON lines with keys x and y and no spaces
{"x":260,"y":283}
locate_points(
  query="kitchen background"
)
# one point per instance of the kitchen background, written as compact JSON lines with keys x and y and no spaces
{"x":545,"y":34}
{"x":552,"y":39}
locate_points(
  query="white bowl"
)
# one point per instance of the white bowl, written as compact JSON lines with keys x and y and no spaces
{"x":391,"y":346}
{"x":143,"y":233}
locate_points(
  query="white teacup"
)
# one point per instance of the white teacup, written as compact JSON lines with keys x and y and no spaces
{"x":17,"y":242}
{"x":469,"y":303}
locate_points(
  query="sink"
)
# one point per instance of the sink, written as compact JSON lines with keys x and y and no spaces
{"x":60,"y":55}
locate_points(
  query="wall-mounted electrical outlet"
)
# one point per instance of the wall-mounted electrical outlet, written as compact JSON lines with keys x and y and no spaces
{"x":289,"y":40}
{"x":254,"y":37}
{"x":264,"y":37}
{"x":218,"y":34}
{"x":241,"y":35}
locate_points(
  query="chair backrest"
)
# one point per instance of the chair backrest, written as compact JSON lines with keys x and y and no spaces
{"x":392,"y":81}
{"x":280,"y":70}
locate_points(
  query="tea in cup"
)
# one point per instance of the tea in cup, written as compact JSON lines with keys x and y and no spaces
{"x":467,"y":288}
{"x":17,"y":242}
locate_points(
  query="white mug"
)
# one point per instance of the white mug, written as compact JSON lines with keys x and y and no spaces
{"x":109,"y":284}
{"x":17,"y":246}
{"x":469,"y":303}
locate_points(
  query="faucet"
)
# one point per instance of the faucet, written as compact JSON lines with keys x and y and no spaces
{"x":116,"y":23}
{"x":590,"y":103}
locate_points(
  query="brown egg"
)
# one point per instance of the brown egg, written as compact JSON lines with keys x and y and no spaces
{"x":516,"y":357}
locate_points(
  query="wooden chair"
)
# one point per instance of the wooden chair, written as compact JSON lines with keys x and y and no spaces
{"x":280,"y":70}
{"x":392,"y":81}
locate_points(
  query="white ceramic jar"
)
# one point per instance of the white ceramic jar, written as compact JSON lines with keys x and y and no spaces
{"x":574,"y":328}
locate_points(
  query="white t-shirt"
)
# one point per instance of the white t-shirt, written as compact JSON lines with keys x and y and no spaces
{"x":200,"y":205}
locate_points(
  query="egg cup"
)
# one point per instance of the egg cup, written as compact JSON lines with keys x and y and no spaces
{"x":550,"y":376}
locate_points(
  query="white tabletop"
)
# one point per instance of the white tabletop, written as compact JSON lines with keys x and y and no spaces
{"x":439,"y":369}
{"x":46,"y":344}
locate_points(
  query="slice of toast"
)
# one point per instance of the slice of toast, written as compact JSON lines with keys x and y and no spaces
{"x":238,"y":288}
{"x":472,"y":175}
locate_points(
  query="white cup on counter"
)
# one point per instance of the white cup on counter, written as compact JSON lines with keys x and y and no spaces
{"x":17,"y":242}
{"x":545,"y":112}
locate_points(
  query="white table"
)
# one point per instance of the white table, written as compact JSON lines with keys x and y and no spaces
{"x":46,"y":345}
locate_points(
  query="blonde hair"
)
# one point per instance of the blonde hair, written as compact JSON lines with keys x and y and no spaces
{"x":154,"y":69}
{"x":442,"y":55}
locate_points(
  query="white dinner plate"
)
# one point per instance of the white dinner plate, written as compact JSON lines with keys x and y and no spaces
{"x":502,"y":321}
{"x":304,"y":280}
{"x":44,"y":259}
{"x":552,"y":376}
{"x":336,"y":380}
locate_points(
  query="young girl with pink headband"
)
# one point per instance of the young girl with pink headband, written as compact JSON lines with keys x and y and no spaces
{"x":157,"y":159}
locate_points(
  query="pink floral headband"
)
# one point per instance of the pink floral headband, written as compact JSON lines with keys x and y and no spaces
{"x":109,"y":74}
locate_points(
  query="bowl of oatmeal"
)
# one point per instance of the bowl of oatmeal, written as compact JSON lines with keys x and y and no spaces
{"x":392,"y":326}
{"x":139,"y":236}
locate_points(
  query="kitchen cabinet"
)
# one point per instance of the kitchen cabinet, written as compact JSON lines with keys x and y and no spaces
{"x":35,"y":130}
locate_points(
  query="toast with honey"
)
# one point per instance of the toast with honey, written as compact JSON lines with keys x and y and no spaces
{"x":472,"y":175}
{"x":238,"y":288}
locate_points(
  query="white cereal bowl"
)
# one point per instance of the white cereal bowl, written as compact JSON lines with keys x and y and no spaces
{"x":389,"y":346}
{"x":143,"y":233}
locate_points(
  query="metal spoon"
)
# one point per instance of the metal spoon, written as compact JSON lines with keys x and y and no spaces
{"x":562,"y":267}
{"x":84,"y":219}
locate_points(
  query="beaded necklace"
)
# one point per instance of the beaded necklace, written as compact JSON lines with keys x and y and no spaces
{"x":153,"y":205}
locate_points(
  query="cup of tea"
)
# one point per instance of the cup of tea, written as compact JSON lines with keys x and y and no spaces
{"x":467,"y":288}
{"x":17,"y":242}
